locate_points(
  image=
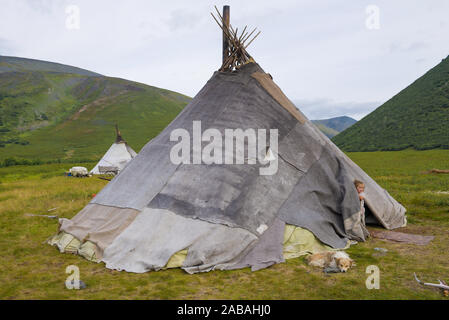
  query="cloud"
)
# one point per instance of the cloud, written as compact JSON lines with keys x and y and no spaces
{"x":420,"y":60}
{"x":183,"y":19}
{"x":320,"y":53}
{"x":42,"y":6}
{"x":6,"y":47}
{"x":410,"y":47}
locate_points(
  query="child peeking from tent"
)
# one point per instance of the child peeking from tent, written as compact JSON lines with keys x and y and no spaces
{"x":360,"y":186}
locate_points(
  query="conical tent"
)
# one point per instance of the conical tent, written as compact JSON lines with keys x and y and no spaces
{"x":117,"y":156}
{"x":202,"y":216}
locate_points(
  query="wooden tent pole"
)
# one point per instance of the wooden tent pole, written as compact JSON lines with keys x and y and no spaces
{"x":226,"y":14}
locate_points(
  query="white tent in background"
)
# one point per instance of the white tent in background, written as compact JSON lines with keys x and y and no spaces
{"x":115,"y":159}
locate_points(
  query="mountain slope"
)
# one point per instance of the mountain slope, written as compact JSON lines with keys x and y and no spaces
{"x":52,"y":115}
{"x":16,"y":64}
{"x":417,"y":117}
{"x":333,"y":126}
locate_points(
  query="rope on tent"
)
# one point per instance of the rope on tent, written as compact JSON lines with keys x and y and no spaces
{"x":237,"y":54}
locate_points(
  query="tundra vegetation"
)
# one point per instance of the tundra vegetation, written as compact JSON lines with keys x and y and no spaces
{"x":32,"y":269}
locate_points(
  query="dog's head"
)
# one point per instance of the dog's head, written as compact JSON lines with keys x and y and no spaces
{"x":344,"y":264}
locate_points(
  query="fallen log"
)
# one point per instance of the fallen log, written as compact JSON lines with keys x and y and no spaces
{"x":438,"y":171}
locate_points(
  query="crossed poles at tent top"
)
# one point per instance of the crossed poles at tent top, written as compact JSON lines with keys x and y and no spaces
{"x":237,"y":54}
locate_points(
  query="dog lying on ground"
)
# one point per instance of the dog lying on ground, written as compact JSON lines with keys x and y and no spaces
{"x":332,"y":259}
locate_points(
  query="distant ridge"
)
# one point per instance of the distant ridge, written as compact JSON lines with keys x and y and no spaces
{"x":16,"y":64}
{"x":332,"y":126}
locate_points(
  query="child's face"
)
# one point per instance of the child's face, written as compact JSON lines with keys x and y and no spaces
{"x":360,"y":188}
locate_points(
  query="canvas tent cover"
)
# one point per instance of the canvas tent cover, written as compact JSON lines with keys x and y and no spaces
{"x":118,"y":155}
{"x":228,"y":216}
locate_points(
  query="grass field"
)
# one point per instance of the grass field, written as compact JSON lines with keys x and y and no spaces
{"x":34,"y":270}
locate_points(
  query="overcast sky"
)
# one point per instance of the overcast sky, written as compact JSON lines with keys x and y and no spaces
{"x":330,"y":57}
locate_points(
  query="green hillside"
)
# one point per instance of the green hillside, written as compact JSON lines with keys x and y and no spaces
{"x":332,"y":126}
{"x":417,"y":117}
{"x":50,"y":115}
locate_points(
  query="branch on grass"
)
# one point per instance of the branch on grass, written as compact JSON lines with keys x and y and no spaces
{"x":41,"y":215}
{"x":436,"y":171}
{"x":441,"y":285}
